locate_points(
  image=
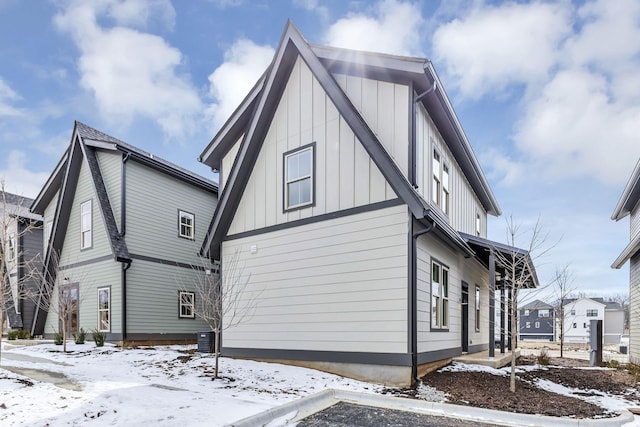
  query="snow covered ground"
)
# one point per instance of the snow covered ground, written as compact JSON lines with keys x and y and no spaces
{"x":162,"y":386}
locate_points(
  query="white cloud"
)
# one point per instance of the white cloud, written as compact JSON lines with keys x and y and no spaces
{"x":244,"y":63}
{"x":7,"y":98}
{"x":313,"y":6}
{"x":18,"y":179}
{"x":580,"y":112}
{"x":494,"y":47}
{"x":131,"y":73}
{"x":394,"y":29}
{"x":139,"y":13}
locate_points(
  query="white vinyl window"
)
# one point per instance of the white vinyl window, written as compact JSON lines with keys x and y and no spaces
{"x":477,"y":308}
{"x":445,"y":189}
{"x":186,"y":225}
{"x":441,"y":183}
{"x":435,"y":190}
{"x":592,"y":313}
{"x":12,"y":247}
{"x":298,"y":178}
{"x":187,"y":304}
{"x":439,"y":296}
{"x":85,"y":225}
{"x":104,"y":309}
{"x":527,"y":325}
{"x":537,"y":325}
{"x":477,"y":224}
{"x":543,"y":313}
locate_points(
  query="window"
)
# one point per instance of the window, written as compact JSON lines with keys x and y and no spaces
{"x":104,"y":309}
{"x":435,"y":191}
{"x":85,"y":225}
{"x":12,"y":247}
{"x":187,"y":304}
{"x":527,"y":325}
{"x":186,"y":225}
{"x":477,"y":224}
{"x":477,"y":308}
{"x":584,"y":325}
{"x":543,"y":313}
{"x":575,"y":325}
{"x":445,"y":189}
{"x":439,"y":296}
{"x":537,"y":324}
{"x":298,"y":177}
{"x":526,"y":312}
{"x":573,"y":312}
{"x":592,"y":313}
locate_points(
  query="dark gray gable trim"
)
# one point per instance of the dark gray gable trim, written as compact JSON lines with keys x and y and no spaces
{"x":86,"y":262}
{"x":291,"y":46}
{"x":167,"y":262}
{"x":118,"y":245}
{"x":388,"y":359}
{"x":434,"y":356}
{"x":317,"y":218}
{"x":53,"y":184}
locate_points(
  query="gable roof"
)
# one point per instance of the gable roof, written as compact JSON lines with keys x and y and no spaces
{"x":252,"y":118}
{"x":536,"y":304}
{"x":85,"y":141}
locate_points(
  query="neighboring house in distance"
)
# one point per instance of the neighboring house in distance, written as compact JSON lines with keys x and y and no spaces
{"x":536,"y":321}
{"x":628,"y":205}
{"x":127,"y":226}
{"x":578,"y":316}
{"x":355,"y":203}
{"x":21,"y":243}
{"x":613,"y":327}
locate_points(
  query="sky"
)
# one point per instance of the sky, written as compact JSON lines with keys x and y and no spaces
{"x":548,"y":93}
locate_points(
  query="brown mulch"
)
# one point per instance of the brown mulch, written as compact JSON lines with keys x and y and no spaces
{"x":485,"y":390}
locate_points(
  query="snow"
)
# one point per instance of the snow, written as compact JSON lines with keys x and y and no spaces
{"x":165,"y":386}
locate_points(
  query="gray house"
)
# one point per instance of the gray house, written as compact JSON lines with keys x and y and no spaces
{"x":536,"y":321}
{"x":354,"y":201}
{"x":122,"y":230}
{"x":628,"y":205}
{"x":21,"y":244}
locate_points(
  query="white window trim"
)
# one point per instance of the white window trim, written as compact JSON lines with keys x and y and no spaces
{"x":478,"y":320}
{"x":191,"y":305}
{"x":89,"y":230}
{"x":12,"y":247}
{"x":107,"y":310}
{"x":439,"y":298}
{"x":192,"y":227}
{"x":311,"y":177}
{"x":440,"y":187}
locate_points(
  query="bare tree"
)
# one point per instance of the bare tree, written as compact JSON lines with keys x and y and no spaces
{"x":518,"y":270}
{"x":17,"y":268}
{"x":223,"y":300}
{"x":563,"y":287}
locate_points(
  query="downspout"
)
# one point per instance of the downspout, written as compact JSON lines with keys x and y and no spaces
{"x":413,"y":295}
{"x":123,"y":231}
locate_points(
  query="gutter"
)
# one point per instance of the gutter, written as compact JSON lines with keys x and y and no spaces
{"x":123,"y":228}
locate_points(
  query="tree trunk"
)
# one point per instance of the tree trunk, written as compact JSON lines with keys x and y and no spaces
{"x":561,"y":332}
{"x":216,"y":349}
{"x":514,"y":311}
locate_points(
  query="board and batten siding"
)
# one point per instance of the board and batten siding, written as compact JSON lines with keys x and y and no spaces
{"x":153,"y":202}
{"x":460,"y":269}
{"x":153,"y":299}
{"x":90,"y":277}
{"x":345,"y":175}
{"x":49,"y":215}
{"x":335,"y":285}
{"x":71,"y":252}
{"x":227,"y":163}
{"x":634,"y":307}
{"x":111,"y":169}
{"x":464,"y":203}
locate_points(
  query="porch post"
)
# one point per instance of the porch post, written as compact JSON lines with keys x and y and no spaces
{"x":492,"y":304}
{"x":502,"y":317}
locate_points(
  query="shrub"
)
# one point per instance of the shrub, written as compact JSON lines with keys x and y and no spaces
{"x":543,"y":358}
{"x":634,"y":370}
{"x":58,"y":338}
{"x":613,"y":363}
{"x":98,"y":337}
{"x":18,"y":334}
{"x":79,"y":336}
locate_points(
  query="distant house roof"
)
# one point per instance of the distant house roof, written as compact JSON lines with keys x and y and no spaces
{"x":250,"y":121}
{"x":17,"y":206}
{"x":536,"y":304}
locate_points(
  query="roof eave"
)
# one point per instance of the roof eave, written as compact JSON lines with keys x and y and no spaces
{"x":630,"y":195}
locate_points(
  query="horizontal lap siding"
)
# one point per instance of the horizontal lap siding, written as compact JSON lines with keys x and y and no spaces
{"x":152,"y":298}
{"x":111,"y":170}
{"x":337,"y":285}
{"x":460,"y":269}
{"x":634,"y":307}
{"x":49,"y":213}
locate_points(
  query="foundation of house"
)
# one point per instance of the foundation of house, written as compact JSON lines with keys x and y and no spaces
{"x":482,"y":358}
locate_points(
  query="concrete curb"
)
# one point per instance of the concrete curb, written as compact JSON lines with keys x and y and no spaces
{"x":292,"y":412}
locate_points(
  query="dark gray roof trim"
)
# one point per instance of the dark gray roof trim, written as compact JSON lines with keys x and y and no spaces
{"x":536,"y":304}
{"x":480,"y":244}
{"x":631,"y":250}
{"x":629,"y":197}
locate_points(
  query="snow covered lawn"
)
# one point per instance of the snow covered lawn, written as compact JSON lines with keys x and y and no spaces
{"x":159,"y":386}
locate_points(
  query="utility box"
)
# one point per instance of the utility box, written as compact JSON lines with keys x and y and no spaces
{"x":595,"y":341}
{"x":206,"y":342}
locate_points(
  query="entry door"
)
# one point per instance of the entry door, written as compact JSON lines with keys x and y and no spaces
{"x":465,"y":317}
{"x":69,"y":307}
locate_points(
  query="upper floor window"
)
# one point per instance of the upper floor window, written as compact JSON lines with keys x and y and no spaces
{"x":85,"y":225}
{"x":298,"y":177}
{"x":439,"y":296}
{"x":435,"y":191}
{"x":441,"y":185}
{"x":573,"y":312}
{"x":543,"y":313}
{"x":592,"y":313}
{"x":526,"y":312}
{"x":477,"y":224}
{"x":186,"y":225}
{"x":12,"y":247}
{"x":445,"y":189}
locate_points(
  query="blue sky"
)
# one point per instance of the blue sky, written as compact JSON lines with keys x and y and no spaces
{"x":548,"y":93}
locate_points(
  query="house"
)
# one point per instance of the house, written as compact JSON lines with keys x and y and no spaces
{"x":613,"y":327}
{"x":356,"y":205}
{"x":578,"y":316}
{"x":21,"y":245}
{"x":628,"y":206}
{"x":123,"y":229}
{"x":536,"y":321}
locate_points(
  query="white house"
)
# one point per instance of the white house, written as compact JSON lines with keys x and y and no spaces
{"x":578,"y":316}
{"x":358,"y":208}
